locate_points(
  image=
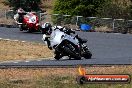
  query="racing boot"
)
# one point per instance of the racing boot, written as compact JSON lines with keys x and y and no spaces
{"x":48,"y":43}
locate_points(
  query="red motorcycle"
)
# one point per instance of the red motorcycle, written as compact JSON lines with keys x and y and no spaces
{"x":28,"y":22}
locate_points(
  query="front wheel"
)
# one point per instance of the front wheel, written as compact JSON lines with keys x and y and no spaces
{"x":124,"y":31}
{"x":78,"y":58}
{"x":87,"y":55}
{"x":42,"y":31}
{"x":29,"y":30}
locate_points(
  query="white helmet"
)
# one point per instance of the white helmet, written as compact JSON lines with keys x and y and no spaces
{"x":20,"y":10}
{"x":46,"y":25}
{"x":57,"y":27}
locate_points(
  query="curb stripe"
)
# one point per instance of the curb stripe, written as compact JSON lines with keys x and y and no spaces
{"x":11,"y":40}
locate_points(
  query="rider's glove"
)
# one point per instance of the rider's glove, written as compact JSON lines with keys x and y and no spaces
{"x":72,"y":31}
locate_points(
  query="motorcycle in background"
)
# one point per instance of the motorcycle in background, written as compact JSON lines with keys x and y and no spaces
{"x":28,"y":21}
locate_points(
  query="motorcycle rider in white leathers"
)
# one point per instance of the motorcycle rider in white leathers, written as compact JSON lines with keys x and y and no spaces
{"x":47,"y":26}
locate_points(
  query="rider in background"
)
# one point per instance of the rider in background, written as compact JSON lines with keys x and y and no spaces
{"x":19,"y":16}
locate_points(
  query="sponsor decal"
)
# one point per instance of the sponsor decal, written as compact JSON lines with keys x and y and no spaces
{"x":101,"y":78}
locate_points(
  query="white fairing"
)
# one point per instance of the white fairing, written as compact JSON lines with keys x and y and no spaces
{"x":71,"y":39}
{"x":16,"y":17}
{"x":58,"y":36}
{"x":59,"y":27}
{"x":32,"y":19}
{"x":44,"y":24}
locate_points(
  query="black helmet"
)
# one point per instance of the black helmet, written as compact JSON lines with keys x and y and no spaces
{"x":47,"y":25}
{"x":47,"y":28}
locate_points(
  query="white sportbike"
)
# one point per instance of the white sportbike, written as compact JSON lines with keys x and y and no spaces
{"x":64,"y":44}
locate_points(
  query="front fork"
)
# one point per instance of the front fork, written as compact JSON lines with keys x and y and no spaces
{"x":84,"y":48}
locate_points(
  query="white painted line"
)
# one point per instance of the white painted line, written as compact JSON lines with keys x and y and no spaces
{"x":52,"y":59}
{"x":39,"y":60}
{"x":92,"y":17}
{"x":55,"y":14}
{"x":79,"y":16}
{"x":106,"y":18}
{"x":66,"y":15}
{"x":15,"y":62}
{"x":18,"y":61}
{"x":23,"y":41}
{"x":7,"y":39}
{"x":11,"y":61}
{"x":119,"y":19}
{"x":12,"y":40}
{"x":15,"y":40}
{"x":129,"y":20}
{"x":27,"y":61}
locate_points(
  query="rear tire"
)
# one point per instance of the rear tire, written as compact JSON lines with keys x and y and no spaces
{"x":71,"y":53}
{"x":57,"y":55}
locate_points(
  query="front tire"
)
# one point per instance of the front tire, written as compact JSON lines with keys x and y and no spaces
{"x":42,"y":31}
{"x":124,"y":31}
{"x":87,"y":55}
{"x":21,"y":28}
{"x":29,"y":30}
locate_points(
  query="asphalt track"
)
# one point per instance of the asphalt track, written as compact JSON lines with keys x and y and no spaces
{"x":107,"y":48}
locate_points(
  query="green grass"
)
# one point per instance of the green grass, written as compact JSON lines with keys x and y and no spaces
{"x":57,"y":82}
{"x":58,"y":77}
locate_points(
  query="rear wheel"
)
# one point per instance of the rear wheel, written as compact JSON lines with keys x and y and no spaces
{"x":57,"y":55}
{"x":72,"y":53}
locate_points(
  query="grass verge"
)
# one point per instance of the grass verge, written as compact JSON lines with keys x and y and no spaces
{"x":17,"y":50}
{"x":57,"y":77}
